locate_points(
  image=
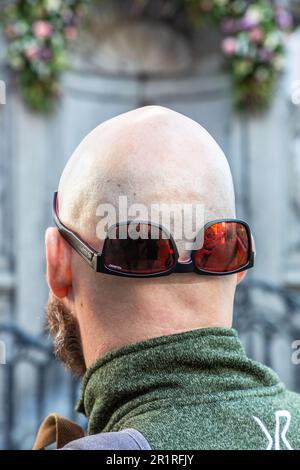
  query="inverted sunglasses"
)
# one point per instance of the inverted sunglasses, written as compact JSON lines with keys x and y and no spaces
{"x":226,"y":249}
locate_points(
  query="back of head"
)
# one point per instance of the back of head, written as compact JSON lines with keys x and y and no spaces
{"x":150,"y":156}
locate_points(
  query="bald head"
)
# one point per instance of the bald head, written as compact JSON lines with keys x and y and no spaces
{"x":150,"y":155}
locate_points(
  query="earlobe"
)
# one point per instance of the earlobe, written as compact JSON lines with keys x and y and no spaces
{"x":241,"y":276}
{"x":58,"y":257}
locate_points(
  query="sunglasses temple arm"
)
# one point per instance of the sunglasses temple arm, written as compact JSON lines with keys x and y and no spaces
{"x":85,"y":251}
{"x":81,"y":248}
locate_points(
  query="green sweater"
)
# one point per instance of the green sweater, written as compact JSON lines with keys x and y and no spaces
{"x":192,"y":390}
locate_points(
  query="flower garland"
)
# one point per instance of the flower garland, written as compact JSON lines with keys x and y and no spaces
{"x":37,"y":33}
{"x":253,"y":44}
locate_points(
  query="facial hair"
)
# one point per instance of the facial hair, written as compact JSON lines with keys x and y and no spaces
{"x":64,"y":328}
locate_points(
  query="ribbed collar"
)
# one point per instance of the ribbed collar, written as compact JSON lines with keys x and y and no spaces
{"x":198,"y":365}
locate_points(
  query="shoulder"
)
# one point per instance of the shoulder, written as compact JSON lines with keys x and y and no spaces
{"x":127,"y":439}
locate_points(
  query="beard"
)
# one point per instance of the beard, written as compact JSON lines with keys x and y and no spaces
{"x":64,"y":329}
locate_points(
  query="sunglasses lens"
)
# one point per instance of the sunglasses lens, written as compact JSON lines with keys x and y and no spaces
{"x":143,"y":249}
{"x":225,"y":248}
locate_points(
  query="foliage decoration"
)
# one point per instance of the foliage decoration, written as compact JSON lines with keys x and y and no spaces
{"x":253,"y":37}
{"x":37,"y":33}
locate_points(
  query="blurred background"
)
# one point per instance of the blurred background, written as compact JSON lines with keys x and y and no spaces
{"x":215,"y":65}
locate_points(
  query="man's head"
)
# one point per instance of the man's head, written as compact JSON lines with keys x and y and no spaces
{"x":151,"y":155}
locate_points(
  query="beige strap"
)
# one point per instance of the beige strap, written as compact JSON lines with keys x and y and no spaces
{"x":59,"y":430}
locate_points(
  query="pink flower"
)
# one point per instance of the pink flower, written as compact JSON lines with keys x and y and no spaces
{"x":70,"y":33}
{"x":229,"y":45}
{"x":256,"y":35}
{"x":32,"y":52}
{"x":42,"y":29}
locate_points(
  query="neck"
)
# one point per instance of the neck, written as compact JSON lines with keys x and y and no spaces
{"x":142,"y":314}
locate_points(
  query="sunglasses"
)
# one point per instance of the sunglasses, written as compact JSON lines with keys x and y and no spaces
{"x":226,"y":249}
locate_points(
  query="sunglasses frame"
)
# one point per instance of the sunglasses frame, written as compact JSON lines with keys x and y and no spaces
{"x":96,"y":260}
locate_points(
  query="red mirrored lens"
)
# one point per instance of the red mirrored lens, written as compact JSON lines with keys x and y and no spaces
{"x":225,"y":248}
{"x":140,"y":255}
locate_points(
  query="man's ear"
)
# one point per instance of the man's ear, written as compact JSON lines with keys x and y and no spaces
{"x":58,"y":257}
{"x":241,"y":276}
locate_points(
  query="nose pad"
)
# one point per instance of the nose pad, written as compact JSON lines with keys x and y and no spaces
{"x":184,"y":259}
{"x":184,"y":255}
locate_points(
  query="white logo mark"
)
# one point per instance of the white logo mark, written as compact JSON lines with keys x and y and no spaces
{"x":278,"y":435}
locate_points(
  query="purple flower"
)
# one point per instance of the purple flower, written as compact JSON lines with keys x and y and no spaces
{"x":284,"y":19}
{"x":229,"y":26}
{"x":45,"y":54}
{"x":247,"y":23}
{"x":74,"y":21}
{"x":266,"y":55}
